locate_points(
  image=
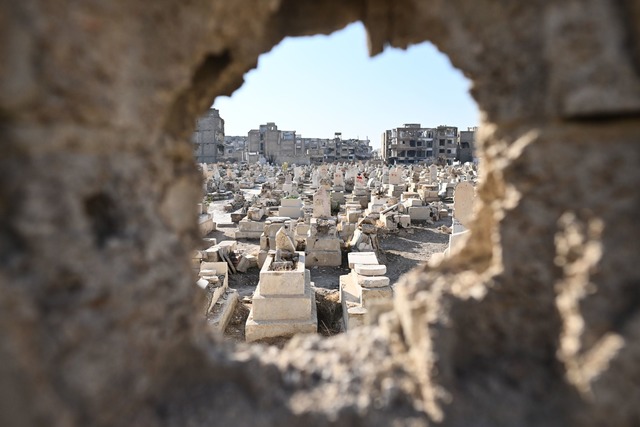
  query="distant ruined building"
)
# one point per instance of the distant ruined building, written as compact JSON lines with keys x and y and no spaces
{"x":467,"y":150}
{"x":234,"y":149}
{"x":208,"y":138}
{"x":413,"y":143}
{"x":273,"y":145}
{"x":337,"y":149}
{"x":276,"y":146}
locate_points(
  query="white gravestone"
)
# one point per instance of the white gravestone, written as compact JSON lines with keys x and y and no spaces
{"x":463,"y":203}
{"x":433,"y":172}
{"x":321,"y":204}
{"x":394,"y":177}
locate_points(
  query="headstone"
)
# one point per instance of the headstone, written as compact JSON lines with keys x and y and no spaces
{"x":315,"y":179}
{"x":287,"y":187}
{"x":323,"y":172}
{"x":463,"y":203}
{"x":433,"y":172}
{"x":284,"y":242}
{"x":215,"y":173}
{"x":321,"y":204}
{"x":394,"y":177}
{"x":385,"y":177}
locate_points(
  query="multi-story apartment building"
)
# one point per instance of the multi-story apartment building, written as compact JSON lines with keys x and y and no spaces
{"x":361,"y":149}
{"x":210,"y":145}
{"x":408,"y":144}
{"x":467,"y":151}
{"x":315,"y":149}
{"x":348,"y":150}
{"x":208,"y":138}
{"x":259,"y":140}
{"x":337,"y":149}
{"x":277,"y":146}
{"x":331,"y":150}
{"x":446,"y":142}
{"x":413,"y":143}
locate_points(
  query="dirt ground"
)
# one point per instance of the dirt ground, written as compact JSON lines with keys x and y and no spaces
{"x":400,"y":251}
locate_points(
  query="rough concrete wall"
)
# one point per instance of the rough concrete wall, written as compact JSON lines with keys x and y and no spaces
{"x":536,"y":322}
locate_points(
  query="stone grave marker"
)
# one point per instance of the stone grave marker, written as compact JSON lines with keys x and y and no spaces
{"x":321,"y":204}
{"x":463,"y":203}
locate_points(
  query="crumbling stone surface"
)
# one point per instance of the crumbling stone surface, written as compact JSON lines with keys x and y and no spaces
{"x":535,"y":322}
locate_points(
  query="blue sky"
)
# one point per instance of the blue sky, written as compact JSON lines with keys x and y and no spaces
{"x":324,"y":84}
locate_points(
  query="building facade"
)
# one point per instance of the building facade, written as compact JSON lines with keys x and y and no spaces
{"x":337,"y":149}
{"x":445,"y":142}
{"x":278,"y":146}
{"x":210,"y":145}
{"x":467,"y":151}
{"x":208,"y":138}
{"x":234,"y":149}
{"x":413,"y":143}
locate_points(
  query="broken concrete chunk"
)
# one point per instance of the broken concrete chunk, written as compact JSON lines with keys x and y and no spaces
{"x":373,"y":281}
{"x":362,"y":258}
{"x":284,"y":242}
{"x":370,"y":269}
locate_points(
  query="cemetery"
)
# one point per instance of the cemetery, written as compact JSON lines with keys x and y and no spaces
{"x":529,"y":318}
{"x":331,"y":225}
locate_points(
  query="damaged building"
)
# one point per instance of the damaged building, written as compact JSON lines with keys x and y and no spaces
{"x":413,"y":143}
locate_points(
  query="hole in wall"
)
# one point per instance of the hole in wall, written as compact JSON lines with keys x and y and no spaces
{"x":102,"y":212}
{"x":307,"y":98}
